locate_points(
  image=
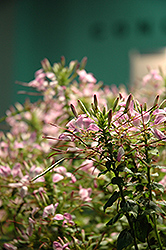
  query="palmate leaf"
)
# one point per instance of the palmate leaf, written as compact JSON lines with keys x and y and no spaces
{"x":124,"y":239}
{"x":111,"y":200}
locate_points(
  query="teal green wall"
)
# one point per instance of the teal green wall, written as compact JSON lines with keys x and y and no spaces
{"x":103,"y":30}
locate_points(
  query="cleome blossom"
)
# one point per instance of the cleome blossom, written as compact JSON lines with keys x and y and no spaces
{"x":82,"y":123}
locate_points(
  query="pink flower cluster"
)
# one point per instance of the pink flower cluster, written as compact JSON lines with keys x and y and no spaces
{"x":50,"y":211}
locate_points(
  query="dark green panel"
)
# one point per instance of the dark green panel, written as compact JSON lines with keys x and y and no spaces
{"x":6,"y":54}
{"x":104,"y":31}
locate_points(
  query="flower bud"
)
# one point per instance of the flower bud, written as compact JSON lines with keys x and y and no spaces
{"x":121,"y":152}
{"x":109,"y":117}
{"x":145,"y":106}
{"x":115,"y":103}
{"x":63,"y":61}
{"x":95,"y":102}
{"x":128,"y":102}
{"x":46,"y":65}
{"x":74,"y":110}
{"x":83,"y":63}
{"x":156,"y":100}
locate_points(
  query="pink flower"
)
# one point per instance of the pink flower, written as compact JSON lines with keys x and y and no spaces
{"x":34,"y":171}
{"x":66,"y":217}
{"x":120,"y":153}
{"x":86,"y":77}
{"x":23,"y":191}
{"x":19,"y":144}
{"x":66,"y":137}
{"x":88,"y":167}
{"x":85,"y":194}
{"x":160,"y":116}
{"x":58,"y":217}
{"x":152,"y":76}
{"x":61,"y":172}
{"x":49,"y":210}
{"x":57,"y":178}
{"x":16,"y":170}
{"x":5,"y":171}
{"x":58,"y":246}
{"x":82,"y":123}
{"x":159,"y":119}
{"x":70,"y":175}
{"x":9,"y":246}
{"x":31,"y":226}
{"x":158,"y":134}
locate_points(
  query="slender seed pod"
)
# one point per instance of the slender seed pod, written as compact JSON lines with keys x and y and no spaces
{"x":83,"y":107}
{"x":163,"y":104}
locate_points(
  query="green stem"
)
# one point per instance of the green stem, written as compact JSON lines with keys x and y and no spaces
{"x":127,"y":215}
{"x":156,"y":232}
{"x":150,"y":192}
{"x":129,"y":219}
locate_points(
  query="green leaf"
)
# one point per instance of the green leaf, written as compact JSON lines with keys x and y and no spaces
{"x":124,"y":239}
{"x":127,"y":170}
{"x":158,"y":166}
{"x":159,"y":186}
{"x":111,"y":200}
{"x":114,"y":219}
{"x":117,"y":180}
{"x":152,"y":207}
{"x":154,"y":151}
{"x":130,"y":206}
{"x":142,"y":228}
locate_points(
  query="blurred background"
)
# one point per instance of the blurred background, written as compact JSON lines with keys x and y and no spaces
{"x":113,"y":34}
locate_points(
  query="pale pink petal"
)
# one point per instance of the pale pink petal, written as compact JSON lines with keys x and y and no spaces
{"x":57,"y":177}
{"x":58,"y":217}
{"x":49,"y":210}
{"x":158,"y":134}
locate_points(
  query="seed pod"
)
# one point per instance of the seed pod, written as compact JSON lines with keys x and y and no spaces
{"x":163,"y":104}
{"x":83,"y":107}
